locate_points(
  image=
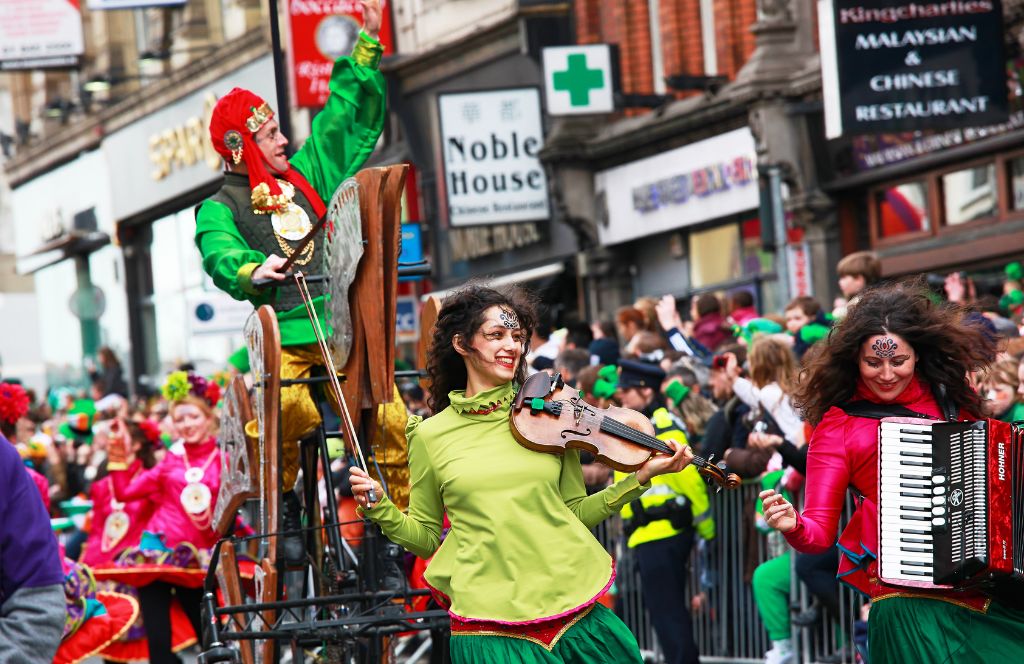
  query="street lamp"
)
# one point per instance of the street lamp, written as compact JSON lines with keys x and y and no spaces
{"x":103,"y":83}
{"x":156,"y":56}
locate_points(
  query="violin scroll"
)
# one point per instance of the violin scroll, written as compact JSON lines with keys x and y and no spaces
{"x":716,"y":474}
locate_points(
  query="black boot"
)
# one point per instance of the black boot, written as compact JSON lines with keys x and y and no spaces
{"x":809,"y":616}
{"x":293,"y":545}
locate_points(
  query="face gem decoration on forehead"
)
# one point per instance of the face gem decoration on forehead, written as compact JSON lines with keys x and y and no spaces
{"x":885,"y":347}
{"x":509,"y":319}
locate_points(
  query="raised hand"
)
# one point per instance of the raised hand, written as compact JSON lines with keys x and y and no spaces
{"x":372,"y":16}
{"x":668,"y":316}
{"x":778,"y":512}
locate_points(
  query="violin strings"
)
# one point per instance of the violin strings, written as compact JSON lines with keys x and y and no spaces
{"x":627,"y":432}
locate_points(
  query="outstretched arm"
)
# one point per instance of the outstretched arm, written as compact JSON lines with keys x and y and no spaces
{"x":345,"y":132}
{"x":419,"y":531}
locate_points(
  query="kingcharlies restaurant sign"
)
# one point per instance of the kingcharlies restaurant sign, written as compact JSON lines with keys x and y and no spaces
{"x":893,"y":65}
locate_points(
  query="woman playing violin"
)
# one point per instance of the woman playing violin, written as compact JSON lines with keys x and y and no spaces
{"x":519,"y":570}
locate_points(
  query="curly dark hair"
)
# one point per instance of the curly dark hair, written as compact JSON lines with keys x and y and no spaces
{"x":462,"y":313}
{"x":948,"y":341}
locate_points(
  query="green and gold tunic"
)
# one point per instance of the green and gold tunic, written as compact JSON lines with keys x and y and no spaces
{"x":234,"y":241}
{"x":520,"y":547}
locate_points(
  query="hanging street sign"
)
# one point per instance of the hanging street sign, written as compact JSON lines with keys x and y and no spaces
{"x":579,"y":80}
{"x":892,"y":66}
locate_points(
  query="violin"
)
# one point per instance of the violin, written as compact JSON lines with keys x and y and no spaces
{"x":548,"y":416}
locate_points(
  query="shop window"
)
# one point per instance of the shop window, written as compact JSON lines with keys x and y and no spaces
{"x":1017,"y":183}
{"x":714,"y":255}
{"x":903,"y":209}
{"x":969,"y":194}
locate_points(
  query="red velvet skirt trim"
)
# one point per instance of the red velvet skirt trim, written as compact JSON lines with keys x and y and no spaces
{"x":137,"y":650}
{"x":545,"y":633}
{"x":99,"y":631}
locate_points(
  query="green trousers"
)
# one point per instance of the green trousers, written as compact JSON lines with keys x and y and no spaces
{"x":771,"y":593}
{"x":599,"y":638}
{"x":928,"y":631}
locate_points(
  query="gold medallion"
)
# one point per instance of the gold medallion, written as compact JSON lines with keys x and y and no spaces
{"x":195,"y":498}
{"x":115,"y":527}
{"x":292,"y":224}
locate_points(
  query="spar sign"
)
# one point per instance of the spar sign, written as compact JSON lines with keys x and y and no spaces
{"x":900,"y":65}
{"x":323,"y":31}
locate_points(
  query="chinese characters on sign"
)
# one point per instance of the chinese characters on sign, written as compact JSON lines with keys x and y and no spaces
{"x":489,"y":142}
{"x":899,"y":65}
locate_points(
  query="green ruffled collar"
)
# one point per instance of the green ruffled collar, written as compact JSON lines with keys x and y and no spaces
{"x":500,"y":396}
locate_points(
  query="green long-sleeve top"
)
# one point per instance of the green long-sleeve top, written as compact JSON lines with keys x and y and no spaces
{"x":520,"y":547}
{"x":343,"y":136}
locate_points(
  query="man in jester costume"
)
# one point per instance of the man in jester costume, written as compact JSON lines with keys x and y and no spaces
{"x":268,"y":203}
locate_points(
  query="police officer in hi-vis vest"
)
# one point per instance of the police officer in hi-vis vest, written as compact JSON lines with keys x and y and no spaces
{"x":663,"y":523}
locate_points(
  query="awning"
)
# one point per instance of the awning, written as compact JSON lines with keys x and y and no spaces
{"x":522,"y":276}
{"x":51,"y":252}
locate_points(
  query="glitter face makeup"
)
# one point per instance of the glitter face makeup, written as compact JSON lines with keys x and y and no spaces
{"x":886,"y":363}
{"x":509,"y":319}
{"x":885,"y":347}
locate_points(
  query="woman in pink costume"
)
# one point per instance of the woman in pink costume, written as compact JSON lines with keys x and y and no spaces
{"x":896,"y":349}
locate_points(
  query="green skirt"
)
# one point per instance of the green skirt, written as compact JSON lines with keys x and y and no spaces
{"x":598,"y":638}
{"x":902,"y":630}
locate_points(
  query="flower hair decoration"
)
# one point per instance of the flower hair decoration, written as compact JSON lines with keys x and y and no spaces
{"x":181,"y":384}
{"x":13,"y":402}
{"x":885,"y":347}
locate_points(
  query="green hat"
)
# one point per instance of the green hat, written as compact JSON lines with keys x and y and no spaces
{"x":79,"y":421}
{"x":677,"y":392}
{"x":1014,"y":271}
{"x":607,"y":381}
{"x":757,"y":326}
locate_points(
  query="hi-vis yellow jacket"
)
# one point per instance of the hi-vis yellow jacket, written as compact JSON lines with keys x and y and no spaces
{"x":664,"y":488}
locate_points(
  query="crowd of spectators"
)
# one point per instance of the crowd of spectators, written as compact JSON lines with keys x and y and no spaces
{"x":728,"y":374}
{"x":723,"y":371}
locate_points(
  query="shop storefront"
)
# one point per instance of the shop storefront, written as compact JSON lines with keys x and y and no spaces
{"x":685,"y":220}
{"x":936,"y":193}
{"x":936,"y":203}
{"x":474,"y":126}
{"x":63,"y":238}
{"x":161,"y":167}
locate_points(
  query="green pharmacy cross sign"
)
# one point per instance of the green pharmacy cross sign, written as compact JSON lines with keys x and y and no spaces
{"x":578,"y":79}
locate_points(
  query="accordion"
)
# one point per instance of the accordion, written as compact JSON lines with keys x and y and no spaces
{"x":951,"y":503}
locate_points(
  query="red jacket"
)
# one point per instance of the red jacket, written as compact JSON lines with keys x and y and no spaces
{"x":843,"y":453}
{"x":162,"y":485}
{"x":709,"y":332}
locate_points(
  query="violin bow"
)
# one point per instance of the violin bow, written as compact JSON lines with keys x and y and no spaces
{"x":346,"y":419}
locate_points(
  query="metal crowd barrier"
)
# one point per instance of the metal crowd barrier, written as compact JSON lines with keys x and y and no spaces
{"x":728,"y":627}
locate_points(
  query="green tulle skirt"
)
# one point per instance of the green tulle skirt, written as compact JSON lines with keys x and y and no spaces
{"x":599,"y":638}
{"x":905,"y":630}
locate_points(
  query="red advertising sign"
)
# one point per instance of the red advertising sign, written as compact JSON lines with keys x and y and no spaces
{"x":322,"y":31}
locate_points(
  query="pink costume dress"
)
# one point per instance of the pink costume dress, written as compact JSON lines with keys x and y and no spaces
{"x":175,"y":544}
{"x":843,"y":453}
{"x":116,"y":524}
